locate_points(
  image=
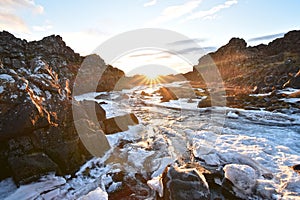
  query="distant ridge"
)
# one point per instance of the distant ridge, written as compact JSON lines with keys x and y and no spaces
{"x":263,"y":66}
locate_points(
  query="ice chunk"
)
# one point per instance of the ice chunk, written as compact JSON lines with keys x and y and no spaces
{"x":156,"y":185}
{"x":232,"y":115}
{"x":98,"y":194}
{"x":243,"y":177}
{"x":211,"y":159}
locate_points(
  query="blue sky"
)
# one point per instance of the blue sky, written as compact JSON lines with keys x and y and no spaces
{"x":86,"y":24}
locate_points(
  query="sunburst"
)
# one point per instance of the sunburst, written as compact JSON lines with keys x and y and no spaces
{"x":152,"y":80}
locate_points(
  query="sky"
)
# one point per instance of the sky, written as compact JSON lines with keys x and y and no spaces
{"x":84,"y":25}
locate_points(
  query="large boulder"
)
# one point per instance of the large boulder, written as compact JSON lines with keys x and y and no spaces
{"x":119,"y":123}
{"x":29,"y":167}
{"x":181,"y":182}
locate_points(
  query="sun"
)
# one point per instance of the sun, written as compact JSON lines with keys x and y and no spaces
{"x":152,"y":79}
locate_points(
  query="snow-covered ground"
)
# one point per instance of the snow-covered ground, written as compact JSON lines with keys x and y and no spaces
{"x":267,"y":142}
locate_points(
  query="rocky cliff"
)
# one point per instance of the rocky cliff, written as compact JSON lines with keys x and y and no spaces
{"x":264,"y":66}
{"x":37,"y":132}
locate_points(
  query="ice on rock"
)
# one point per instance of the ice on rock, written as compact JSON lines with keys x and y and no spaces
{"x":98,"y":194}
{"x":7,"y":78}
{"x":211,"y":159}
{"x":202,"y":147}
{"x":160,"y":165}
{"x":114,"y":186}
{"x":156,"y":184}
{"x":232,"y":115}
{"x":34,"y":190}
{"x":243,"y":177}
{"x":1,"y":89}
{"x":137,"y":157}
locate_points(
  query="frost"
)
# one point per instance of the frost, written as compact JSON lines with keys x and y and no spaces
{"x":7,"y":77}
{"x":12,"y":71}
{"x":36,"y":90}
{"x":232,"y":115}
{"x":156,"y":185}
{"x":114,"y":186}
{"x":14,"y":96}
{"x":98,"y":194}
{"x":243,"y":177}
{"x":1,"y":89}
{"x":39,"y":64}
{"x":24,"y":70}
{"x":48,"y":95}
{"x":23,"y":86}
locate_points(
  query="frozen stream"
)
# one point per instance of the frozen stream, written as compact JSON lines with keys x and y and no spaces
{"x":266,"y":141}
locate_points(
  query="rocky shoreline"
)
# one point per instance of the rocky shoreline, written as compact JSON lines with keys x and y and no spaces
{"x":37,"y":127}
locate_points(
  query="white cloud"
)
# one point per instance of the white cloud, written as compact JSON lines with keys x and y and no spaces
{"x":209,"y":14}
{"x":9,"y":14}
{"x":12,"y":23}
{"x":13,"y":5}
{"x":150,"y":3}
{"x":174,"y":12}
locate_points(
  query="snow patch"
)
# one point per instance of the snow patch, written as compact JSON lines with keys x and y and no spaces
{"x":232,"y":115}
{"x":1,"y":89}
{"x":7,"y":78}
{"x":98,"y":194}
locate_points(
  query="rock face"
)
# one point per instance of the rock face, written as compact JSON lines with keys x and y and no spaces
{"x":184,"y":183}
{"x":37,"y":131}
{"x":95,"y":75}
{"x":264,"y":66}
{"x":192,"y":181}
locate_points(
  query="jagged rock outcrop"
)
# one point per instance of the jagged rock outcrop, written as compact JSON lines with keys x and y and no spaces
{"x":95,"y":75}
{"x":265,"y":66}
{"x":37,"y":131}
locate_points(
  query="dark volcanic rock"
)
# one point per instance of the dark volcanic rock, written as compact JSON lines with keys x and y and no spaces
{"x":119,"y":123}
{"x":266,"y":67}
{"x":29,"y":167}
{"x":37,"y":130}
{"x":183,"y":183}
{"x":296,"y":168}
{"x":95,"y":75}
{"x":294,"y":82}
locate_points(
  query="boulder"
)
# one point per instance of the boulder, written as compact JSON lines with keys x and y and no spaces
{"x":167,"y":94}
{"x":243,"y":177}
{"x":119,"y":123}
{"x":30,"y":167}
{"x":184,"y":183}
